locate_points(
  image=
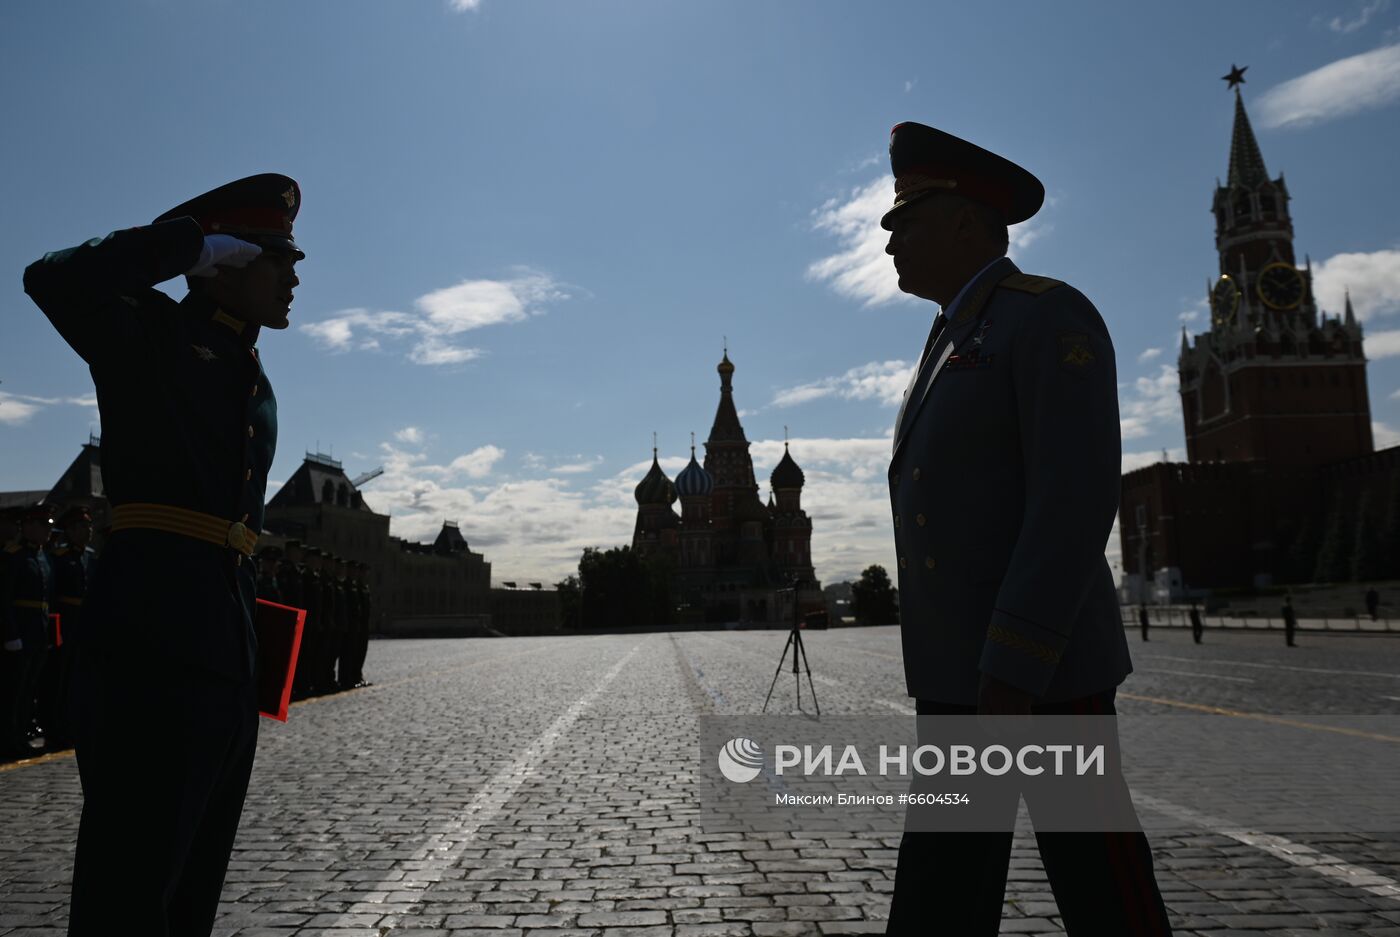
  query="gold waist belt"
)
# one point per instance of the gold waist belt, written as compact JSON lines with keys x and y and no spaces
{"x":187,"y":523}
{"x":30,"y":603}
{"x":71,"y":599}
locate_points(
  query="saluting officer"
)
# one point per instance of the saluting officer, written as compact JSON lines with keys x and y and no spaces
{"x":310,"y":656}
{"x":1004,"y":485}
{"x":189,"y":425}
{"x":26,"y":592}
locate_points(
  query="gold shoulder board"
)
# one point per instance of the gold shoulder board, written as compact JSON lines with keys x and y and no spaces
{"x":1028,"y":283}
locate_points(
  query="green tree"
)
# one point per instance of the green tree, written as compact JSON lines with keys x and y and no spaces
{"x":874,"y":601}
{"x":620,"y":588}
{"x":570,"y":609}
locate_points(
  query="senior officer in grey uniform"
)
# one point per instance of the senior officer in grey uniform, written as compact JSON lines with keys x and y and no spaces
{"x":189,"y":427}
{"x":1004,"y":485}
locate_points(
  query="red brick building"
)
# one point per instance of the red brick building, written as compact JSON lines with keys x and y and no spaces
{"x":1281,"y":483}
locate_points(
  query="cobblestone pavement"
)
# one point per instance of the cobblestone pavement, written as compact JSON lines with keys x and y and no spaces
{"x":539,"y":786}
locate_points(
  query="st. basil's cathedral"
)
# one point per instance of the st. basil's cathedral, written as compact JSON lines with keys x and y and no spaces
{"x":735,"y":559}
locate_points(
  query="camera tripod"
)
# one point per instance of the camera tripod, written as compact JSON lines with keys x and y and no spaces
{"x":794,"y":641}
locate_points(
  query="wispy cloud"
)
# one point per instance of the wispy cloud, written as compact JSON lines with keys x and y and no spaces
{"x":410,"y":434}
{"x":1147,"y":354}
{"x":16,"y":409}
{"x":440,"y":316}
{"x":883,"y":381}
{"x":1348,"y":86}
{"x":1383,"y":436}
{"x":1382,"y":344}
{"x":1363,"y":16}
{"x":861,"y":270}
{"x":1373,"y":279}
{"x":463,"y":6}
{"x":1152,"y":404}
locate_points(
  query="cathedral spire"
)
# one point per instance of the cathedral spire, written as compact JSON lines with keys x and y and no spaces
{"x":1246,"y":161}
{"x":1350,"y":316}
{"x":726,"y":425}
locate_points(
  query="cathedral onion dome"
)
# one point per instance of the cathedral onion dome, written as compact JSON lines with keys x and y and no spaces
{"x":787,"y":474}
{"x":694,"y":481}
{"x":750,"y":508}
{"x":725,"y":367}
{"x":656,"y":488}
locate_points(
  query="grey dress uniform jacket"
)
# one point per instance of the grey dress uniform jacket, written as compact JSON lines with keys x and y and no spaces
{"x":1004,"y":486}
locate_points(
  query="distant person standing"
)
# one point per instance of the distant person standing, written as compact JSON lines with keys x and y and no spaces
{"x":1196,"y":627}
{"x":1290,"y":620}
{"x":1373,"y":602}
{"x":1143,"y":620}
{"x":26,"y":591}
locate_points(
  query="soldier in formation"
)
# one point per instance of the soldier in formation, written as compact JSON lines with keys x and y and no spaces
{"x":26,"y":594}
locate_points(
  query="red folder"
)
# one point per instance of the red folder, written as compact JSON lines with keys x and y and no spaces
{"x":57,"y":628}
{"x":279,"y":639}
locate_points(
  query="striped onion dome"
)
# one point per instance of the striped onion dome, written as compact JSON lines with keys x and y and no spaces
{"x":656,"y":488}
{"x":694,"y":481}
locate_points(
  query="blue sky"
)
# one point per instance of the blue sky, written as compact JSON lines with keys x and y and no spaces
{"x":531,"y":225}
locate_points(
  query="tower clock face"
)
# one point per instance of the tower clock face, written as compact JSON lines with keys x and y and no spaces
{"x":1280,"y":286}
{"x":1224,"y":301}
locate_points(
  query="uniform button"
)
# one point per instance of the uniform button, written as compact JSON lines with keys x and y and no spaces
{"x":248,"y":475}
{"x":896,"y":522}
{"x":896,"y":478}
{"x":255,"y":390}
{"x":250,"y":432}
{"x":928,"y":561}
{"x":921,"y":520}
{"x":903,"y":563}
{"x":917,"y":473}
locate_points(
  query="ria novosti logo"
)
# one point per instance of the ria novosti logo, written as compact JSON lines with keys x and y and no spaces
{"x":740,"y":760}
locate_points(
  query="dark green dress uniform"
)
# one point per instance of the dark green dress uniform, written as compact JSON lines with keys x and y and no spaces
{"x":189,"y":427}
{"x":73,"y":570}
{"x":26,"y":594}
{"x":1004,"y":487}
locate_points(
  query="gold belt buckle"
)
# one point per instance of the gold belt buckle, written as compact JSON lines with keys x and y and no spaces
{"x":237,"y":536}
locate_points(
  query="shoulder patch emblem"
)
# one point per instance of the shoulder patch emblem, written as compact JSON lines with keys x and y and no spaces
{"x":1075,"y":353}
{"x":1027,"y":283}
{"x":204,"y":353}
{"x":131,"y":301}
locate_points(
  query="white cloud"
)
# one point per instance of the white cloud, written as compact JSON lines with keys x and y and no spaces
{"x":580,"y":466}
{"x":478,"y":463}
{"x":433,"y":350}
{"x":1348,"y":86}
{"x":1363,"y":16}
{"x":1395,"y":395}
{"x":410,"y":434}
{"x":16,"y":409}
{"x":441,"y":314}
{"x":1136,"y":460}
{"x":1382,"y":344}
{"x":1382,"y":436}
{"x":1148,"y":354}
{"x":878,"y":380}
{"x":1154,"y":404}
{"x":909,"y":85}
{"x":1373,"y":279}
{"x":861,"y":270}
{"x":462,"y":6}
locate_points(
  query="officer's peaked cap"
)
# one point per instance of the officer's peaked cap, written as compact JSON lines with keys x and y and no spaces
{"x":259,"y":209}
{"x":925,"y":160}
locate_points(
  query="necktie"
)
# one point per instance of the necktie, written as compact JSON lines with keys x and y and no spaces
{"x":926,"y":363}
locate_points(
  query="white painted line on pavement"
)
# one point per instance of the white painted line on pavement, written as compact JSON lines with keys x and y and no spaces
{"x":444,"y":846}
{"x":1293,"y":853}
{"x":901,"y":708}
{"x":1192,"y":673}
{"x":1242,"y":663}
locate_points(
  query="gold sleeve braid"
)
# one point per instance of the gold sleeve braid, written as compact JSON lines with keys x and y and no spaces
{"x":1020,"y":642}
